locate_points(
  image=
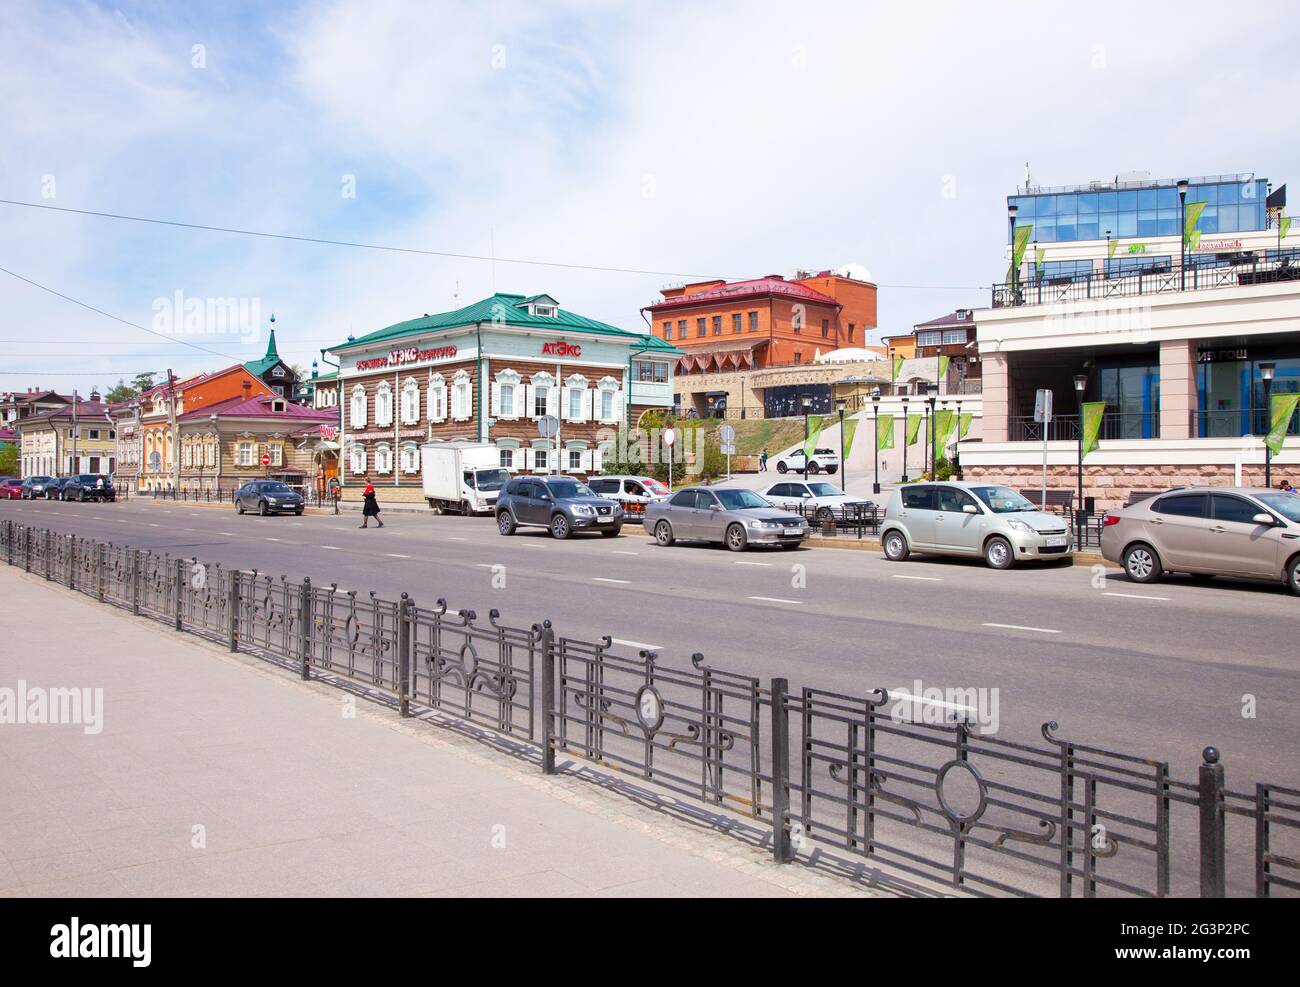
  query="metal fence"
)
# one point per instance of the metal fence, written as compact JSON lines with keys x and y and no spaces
{"x":875,"y":777}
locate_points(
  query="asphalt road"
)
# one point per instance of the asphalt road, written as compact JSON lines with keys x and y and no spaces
{"x":1159,"y":671}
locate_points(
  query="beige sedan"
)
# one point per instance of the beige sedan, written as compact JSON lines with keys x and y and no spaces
{"x":1248,"y":532}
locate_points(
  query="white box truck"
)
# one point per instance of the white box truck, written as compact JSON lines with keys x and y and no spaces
{"x":462,"y":476}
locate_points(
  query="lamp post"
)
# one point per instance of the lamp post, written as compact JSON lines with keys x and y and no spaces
{"x":1080,"y":382}
{"x":806,"y":401}
{"x":875,"y":414}
{"x":1266,"y":372}
{"x":1015,"y":268}
{"x":905,"y":399}
{"x":932,"y":390}
{"x":1105,"y":264}
{"x":956,"y":449}
{"x":1182,"y":234}
{"x":844,"y":465}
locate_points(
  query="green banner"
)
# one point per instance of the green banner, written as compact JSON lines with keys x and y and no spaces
{"x":1018,"y":249}
{"x":1285,"y":227}
{"x":850,"y":430}
{"x":1191,"y":235}
{"x":1092,"y":415}
{"x":966,"y":419}
{"x":1281,"y":408}
{"x":943,"y":366}
{"x":897,"y":366}
{"x":913,"y":428}
{"x":945,"y":423}
{"x":815,"y":424}
{"x":885,"y":439}
{"x":1039,"y":254}
{"x":1113,"y":244}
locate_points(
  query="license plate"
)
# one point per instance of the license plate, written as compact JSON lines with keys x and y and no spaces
{"x":604,"y":520}
{"x":1056,"y":541}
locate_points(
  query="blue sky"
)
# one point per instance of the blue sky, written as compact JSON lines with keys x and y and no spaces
{"x":729,"y":139}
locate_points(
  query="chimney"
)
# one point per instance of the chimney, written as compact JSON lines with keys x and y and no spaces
{"x":248,"y":389}
{"x":94,"y":395}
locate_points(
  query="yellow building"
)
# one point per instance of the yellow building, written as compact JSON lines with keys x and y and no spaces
{"x":79,"y":438}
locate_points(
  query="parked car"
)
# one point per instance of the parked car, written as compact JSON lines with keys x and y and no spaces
{"x":88,"y":486}
{"x":268,"y":497}
{"x":54,"y":489}
{"x":972,"y":519}
{"x":821,"y":461}
{"x":824,"y":499}
{"x":11,"y":488}
{"x":560,"y":503}
{"x":633,"y":492}
{"x":737,"y":518}
{"x":1249,"y":532}
{"x":34,"y":486}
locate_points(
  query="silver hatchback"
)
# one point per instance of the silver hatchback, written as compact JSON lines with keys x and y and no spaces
{"x":737,"y":518}
{"x":972,"y":519}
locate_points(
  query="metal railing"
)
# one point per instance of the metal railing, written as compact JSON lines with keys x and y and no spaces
{"x":1233,"y":422}
{"x":933,"y":796}
{"x":1110,"y":285}
{"x":1114,"y":425}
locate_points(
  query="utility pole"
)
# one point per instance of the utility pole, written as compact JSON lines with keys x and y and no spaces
{"x":75,"y":463}
{"x":172,"y":430}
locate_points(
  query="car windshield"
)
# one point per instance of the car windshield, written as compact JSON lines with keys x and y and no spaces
{"x":824,"y":490}
{"x":276,"y":488}
{"x":1286,"y":504}
{"x":39,"y":479}
{"x":569,"y":488}
{"x":740,"y":500}
{"x":1002,"y":500}
{"x":491,"y":479}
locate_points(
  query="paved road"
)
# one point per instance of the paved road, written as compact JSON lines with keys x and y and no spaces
{"x":1154,"y":670}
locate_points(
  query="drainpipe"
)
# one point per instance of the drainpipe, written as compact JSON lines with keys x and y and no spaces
{"x":478,"y":398}
{"x":338,"y":394}
{"x":397,"y":424}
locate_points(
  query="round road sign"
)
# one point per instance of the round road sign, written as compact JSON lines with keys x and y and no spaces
{"x":727,"y":434}
{"x":266,"y":459}
{"x":548,"y":426}
{"x":669,"y":436}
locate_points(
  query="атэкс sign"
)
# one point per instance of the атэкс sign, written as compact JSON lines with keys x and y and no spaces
{"x":409,"y":355}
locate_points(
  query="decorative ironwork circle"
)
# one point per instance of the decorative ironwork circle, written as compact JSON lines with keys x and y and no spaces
{"x":954,"y":794}
{"x":649,"y":708}
{"x":469,"y":659}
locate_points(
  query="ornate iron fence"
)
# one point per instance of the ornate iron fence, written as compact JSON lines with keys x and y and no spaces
{"x":864,"y":775}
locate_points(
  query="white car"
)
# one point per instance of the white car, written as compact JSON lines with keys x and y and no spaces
{"x":825,"y":499}
{"x":821,"y":461}
{"x":633,"y":492}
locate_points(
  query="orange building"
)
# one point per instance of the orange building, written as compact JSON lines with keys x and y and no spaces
{"x":767,"y":322}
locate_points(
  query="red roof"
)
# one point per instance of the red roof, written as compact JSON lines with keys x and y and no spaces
{"x":748,"y":289}
{"x":260,"y":407}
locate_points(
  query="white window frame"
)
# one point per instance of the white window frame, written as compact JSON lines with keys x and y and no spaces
{"x":410,"y":458}
{"x":383,"y":404}
{"x":247,"y":453}
{"x":359,"y":409}
{"x":437,"y":398}
{"x":383,"y":458}
{"x":577,"y":383}
{"x":357,"y":463}
{"x":502,"y":408}
{"x":410,"y":401}
{"x":276,"y":451}
{"x":607,"y":387}
{"x":546,"y":383}
{"x":462,"y":397}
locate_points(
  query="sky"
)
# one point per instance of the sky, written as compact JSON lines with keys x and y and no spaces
{"x":672,"y":141}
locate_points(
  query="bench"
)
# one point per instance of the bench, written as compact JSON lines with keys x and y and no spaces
{"x":1060,"y":499}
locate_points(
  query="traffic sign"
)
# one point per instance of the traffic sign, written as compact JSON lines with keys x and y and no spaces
{"x":548,"y":426}
{"x":728,"y":449}
{"x":670,"y":437}
{"x":266,"y":459}
{"x":1043,"y":406}
{"x":727,"y":434}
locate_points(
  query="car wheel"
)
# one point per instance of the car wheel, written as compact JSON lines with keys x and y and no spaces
{"x":814,"y":468}
{"x":262,"y":509}
{"x":239,"y":506}
{"x":435,"y":506}
{"x":998,"y":554}
{"x":464,"y":509}
{"x":664,"y":533}
{"x":735,"y":538}
{"x":611,"y":532}
{"x":560,"y":527}
{"x":298,"y":512}
{"x":782,"y":468}
{"x":1142,"y":564}
{"x":506,"y":523}
{"x":895,"y":546}
{"x":1293,"y":575}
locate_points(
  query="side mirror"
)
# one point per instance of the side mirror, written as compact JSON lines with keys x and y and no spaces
{"x":1263,"y":518}
{"x":715,"y":506}
{"x":970,"y":509}
{"x":806,"y":495}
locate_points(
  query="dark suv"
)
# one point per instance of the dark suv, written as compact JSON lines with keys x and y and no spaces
{"x":88,"y":486}
{"x":559,"y":503}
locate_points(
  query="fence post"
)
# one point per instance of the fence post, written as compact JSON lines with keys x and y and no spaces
{"x":548,"y":696}
{"x":27,"y":549}
{"x":304,"y":626}
{"x":9,"y":542}
{"x":135,"y":581}
{"x":72,"y":561}
{"x":49,"y":555}
{"x":404,"y":656}
{"x":1213,"y":830}
{"x":780,"y":772}
{"x":101,"y":563}
{"x":180,"y":591}
{"x":233,"y":605}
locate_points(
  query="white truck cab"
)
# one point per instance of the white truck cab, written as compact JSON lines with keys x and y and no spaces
{"x":464,"y":477}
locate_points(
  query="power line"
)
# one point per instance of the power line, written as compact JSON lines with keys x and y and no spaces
{"x":488,"y":258}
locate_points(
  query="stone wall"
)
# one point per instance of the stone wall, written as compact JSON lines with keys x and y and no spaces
{"x":1112,"y":485}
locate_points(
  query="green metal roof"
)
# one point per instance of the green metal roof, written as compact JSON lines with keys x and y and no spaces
{"x":502,"y":309}
{"x":258,"y":367}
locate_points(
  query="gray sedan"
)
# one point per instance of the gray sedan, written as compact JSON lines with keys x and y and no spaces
{"x":737,"y":518}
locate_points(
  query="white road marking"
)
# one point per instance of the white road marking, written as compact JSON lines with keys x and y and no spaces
{"x":773,"y":599}
{"x":271,"y":539}
{"x":490,"y":565}
{"x":635,"y":644}
{"x":614,"y":552}
{"x":602,"y":579}
{"x":394,"y":555}
{"x":927,"y":579}
{"x":1138,"y":596}
{"x":454,"y":538}
{"x":902,"y":695}
{"x":1020,"y":627}
{"x":154,"y":524}
{"x":228,"y":534}
{"x":533,"y":546}
{"x":740,"y":562}
{"x":331,"y":548}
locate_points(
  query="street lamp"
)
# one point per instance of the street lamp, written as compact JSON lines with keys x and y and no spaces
{"x":806,"y":401}
{"x":1105,"y":264}
{"x":875,"y":414}
{"x":1266,"y":372}
{"x":956,"y":449}
{"x":1015,"y":268}
{"x":932,"y":390}
{"x":1080,"y":382}
{"x":905,"y":400}
{"x":844,"y":466}
{"x":1182,"y":234}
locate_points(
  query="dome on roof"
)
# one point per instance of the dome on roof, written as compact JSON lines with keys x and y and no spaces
{"x":857,"y":272}
{"x":848,"y":353}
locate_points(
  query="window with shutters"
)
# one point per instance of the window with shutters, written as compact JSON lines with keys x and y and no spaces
{"x":410,"y":458}
{"x":410,"y":402}
{"x":462,"y":406}
{"x":358,"y":459}
{"x":384,"y":404}
{"x":383,"y":458}
{"x":245,"y":454}
{"x":357,"y":417}
{"x":276,"y":452}
{"x":507,"y":394}
{"x":437,"y":398}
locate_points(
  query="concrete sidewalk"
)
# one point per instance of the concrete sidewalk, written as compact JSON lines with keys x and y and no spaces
{"x":218,"y":775}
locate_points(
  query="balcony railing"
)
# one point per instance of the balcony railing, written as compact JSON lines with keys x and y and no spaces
{"x":1211,"y":423}
{"x":1114,"y":425}
{"x":1100,"y":286}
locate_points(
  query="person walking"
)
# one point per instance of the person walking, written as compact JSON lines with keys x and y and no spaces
{"x":371,"y":507}
{"x":762,"y":461}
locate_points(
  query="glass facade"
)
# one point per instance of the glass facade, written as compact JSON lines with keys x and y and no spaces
{"x":1131,"y":390}
{"x":1230,"y":388}
{"x":1230,"y":207}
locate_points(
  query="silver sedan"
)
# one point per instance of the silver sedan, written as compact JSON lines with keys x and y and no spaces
{"x":737,"y":518}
